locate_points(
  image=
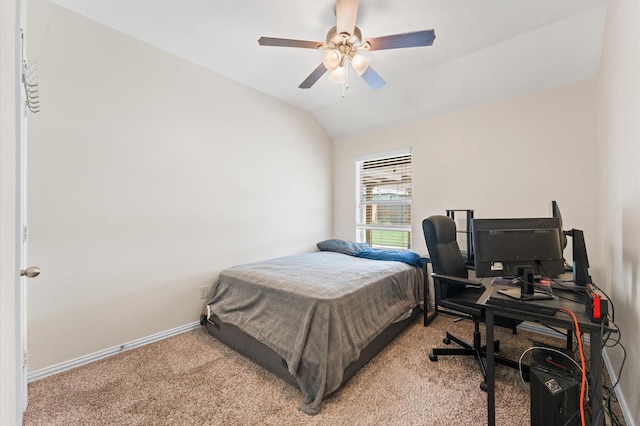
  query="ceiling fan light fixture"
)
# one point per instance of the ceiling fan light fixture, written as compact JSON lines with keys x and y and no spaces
{"x":331,"y":59}
{"x":360,"y":63}
{"x":337,"y":75}
{"x":343,"y":43}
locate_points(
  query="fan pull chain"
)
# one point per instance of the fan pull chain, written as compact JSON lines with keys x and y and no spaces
{"x":345,"y":81}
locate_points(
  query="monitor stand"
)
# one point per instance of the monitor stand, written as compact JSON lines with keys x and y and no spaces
{"x":526,"y":291}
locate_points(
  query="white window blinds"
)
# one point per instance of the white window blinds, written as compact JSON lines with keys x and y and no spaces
{"x":384,"y":201}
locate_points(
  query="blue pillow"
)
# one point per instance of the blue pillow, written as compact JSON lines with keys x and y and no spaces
{"x":342,"y":246}
{"x":408,"y":257}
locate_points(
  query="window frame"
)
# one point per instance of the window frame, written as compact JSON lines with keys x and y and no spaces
{"x":366,"y":226}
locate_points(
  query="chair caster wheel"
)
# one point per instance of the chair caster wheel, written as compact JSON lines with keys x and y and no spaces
{"x":483,"y":386}
{"x":446,"y":341}
{"x":433,"y":358}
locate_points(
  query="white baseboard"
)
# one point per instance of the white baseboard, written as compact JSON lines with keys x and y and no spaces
{"x":84,"y":360}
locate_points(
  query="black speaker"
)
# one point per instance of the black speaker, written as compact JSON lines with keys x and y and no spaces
{"x":555,"y":389}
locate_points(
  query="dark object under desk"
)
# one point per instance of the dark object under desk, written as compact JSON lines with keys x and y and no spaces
{"x":560,"y":320}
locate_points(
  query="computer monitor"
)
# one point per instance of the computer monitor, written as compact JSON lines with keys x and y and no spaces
{"x":555,"y":212}
{"x":522,"y":248}
{"x":580,"y":259}
{"x":580,"y":267}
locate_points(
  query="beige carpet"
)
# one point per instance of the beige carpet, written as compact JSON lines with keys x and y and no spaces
{"x":192,"y":379}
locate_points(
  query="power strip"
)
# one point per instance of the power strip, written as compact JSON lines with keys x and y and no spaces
{"x":596,"y":304}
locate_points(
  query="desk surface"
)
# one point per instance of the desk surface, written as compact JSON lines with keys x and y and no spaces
{"x":567,"y":299}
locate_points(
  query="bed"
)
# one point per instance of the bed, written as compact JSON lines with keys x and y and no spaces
{"x":314,"y":319}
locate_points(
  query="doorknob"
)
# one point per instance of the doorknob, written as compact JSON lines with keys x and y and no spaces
{"x":30,"y":272}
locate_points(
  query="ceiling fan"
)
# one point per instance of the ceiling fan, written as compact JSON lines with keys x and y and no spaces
{"x":343,"y":45}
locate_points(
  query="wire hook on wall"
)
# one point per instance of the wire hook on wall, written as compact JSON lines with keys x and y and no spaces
{"x":31,"y":86}
{"x":29,"y":81}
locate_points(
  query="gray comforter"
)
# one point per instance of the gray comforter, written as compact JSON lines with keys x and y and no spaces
{"x":316,"y":310}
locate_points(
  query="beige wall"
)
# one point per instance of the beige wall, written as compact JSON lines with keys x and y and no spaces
{"x":147,"y":176}
{"x":619,"y":150}
{"x":506,"y":158}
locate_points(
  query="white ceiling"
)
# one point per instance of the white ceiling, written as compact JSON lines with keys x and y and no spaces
{"x":484,"y":50}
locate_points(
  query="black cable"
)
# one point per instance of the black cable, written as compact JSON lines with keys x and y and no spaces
{"x":612,"y":415}
{"x":624,"y":353}
{"x":511,"y":274}
{"x":564,"y":287}
{"x":568,"y":422}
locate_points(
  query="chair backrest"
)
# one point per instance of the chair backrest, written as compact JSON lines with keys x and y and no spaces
{"x":444,"y":252}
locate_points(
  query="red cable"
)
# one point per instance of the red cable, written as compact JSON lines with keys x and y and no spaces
{"x":584,"y":371}
{"x":550,"y":360}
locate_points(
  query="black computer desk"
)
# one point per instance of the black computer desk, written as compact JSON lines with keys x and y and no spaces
{"x":559,"y":320}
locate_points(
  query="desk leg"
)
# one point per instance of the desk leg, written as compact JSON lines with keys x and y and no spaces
{"x":425,"y":294}
{"x":596,"y":382}
{"x":491,"y":379}
{"x":429,"y":317}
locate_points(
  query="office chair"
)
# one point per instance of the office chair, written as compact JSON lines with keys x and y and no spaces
{"x":456,"y":292}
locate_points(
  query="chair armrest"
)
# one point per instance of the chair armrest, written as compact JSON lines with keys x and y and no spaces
{"x":459,"y":280}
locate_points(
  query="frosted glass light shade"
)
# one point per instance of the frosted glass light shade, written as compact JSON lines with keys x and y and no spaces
{"x":337,"y":75}
{"x":360,"y":63}
{"x":331,"y":59}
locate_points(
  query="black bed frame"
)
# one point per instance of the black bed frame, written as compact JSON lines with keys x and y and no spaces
{"x":264,"y":356}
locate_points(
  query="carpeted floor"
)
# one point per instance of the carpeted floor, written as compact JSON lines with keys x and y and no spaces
{"x":192,"y":379}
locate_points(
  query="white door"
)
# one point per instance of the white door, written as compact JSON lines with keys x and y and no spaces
{"x":29,"y":104}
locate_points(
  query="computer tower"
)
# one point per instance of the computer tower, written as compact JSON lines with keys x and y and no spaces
{"x":555,"y":389}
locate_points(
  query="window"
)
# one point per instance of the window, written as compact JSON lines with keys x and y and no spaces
{"x":384,"y":200}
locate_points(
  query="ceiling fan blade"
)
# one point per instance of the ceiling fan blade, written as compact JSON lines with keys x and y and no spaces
{"x":287,"y":42}
{"x":372,"y":79}
{"x":346,"y":13}
{"x":313,"y":77}
{"x":414,"y":39}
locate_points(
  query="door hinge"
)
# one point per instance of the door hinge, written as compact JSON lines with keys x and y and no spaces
{"x":25,"y":233}
{"x":25,"y":359}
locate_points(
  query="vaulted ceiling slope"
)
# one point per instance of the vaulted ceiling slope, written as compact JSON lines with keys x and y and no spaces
{"x":484,"y":50}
